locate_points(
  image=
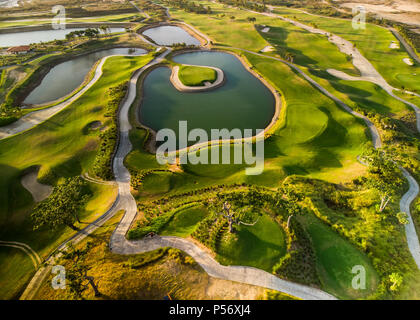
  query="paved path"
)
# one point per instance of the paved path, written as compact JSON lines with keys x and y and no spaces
{"x":407,"y":47}
{"x":119,"y":243}
{"x":139,"y":10}
{"x":34,"y":118}
{"x":410,"y":230}
{"x":368,"y":73}
{"x":366,"y":69}
{"x":376,"y":139}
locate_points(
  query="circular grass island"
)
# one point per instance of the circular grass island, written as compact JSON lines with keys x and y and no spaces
{"x":194,"y":76}
{"x":188,"y":78}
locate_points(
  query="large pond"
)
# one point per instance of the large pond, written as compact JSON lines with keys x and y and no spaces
{"x":170,"y":35}
{"x":28,"y":37}
{"x":242,"y":102}
{"x":67,"y":76}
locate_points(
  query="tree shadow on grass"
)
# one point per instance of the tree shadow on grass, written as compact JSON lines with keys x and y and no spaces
{"x":277,"y":37}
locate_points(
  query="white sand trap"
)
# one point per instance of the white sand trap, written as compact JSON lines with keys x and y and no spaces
{"x":394,"y":45}
{"x":267,"y":49}
{"x":39,"y":191}
{"x":408,"y":61}
{"x":265,"y":30}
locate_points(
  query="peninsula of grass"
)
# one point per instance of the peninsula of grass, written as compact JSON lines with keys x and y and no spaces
{"x":193,"y":76}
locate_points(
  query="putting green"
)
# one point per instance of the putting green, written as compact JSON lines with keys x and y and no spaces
{"x":196,"y":76}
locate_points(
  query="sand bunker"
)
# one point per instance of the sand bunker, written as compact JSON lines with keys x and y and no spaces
{"x":394,"y":45}
{"x":267,"y":49}
{"x":39,"y":191}
{"x":408,"y":61}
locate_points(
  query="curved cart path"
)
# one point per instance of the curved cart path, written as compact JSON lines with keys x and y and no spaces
{"x":34,"y":118}
{"x":125,"y":201}
{"x":368,"y":73}
{"x":121,"y":245}
{"x":366,"y":69}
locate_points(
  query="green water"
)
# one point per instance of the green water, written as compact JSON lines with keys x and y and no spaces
{"x":242,"y":102}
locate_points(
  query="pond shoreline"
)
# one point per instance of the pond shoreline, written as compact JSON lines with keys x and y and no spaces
{"x":150,"y":144}
{"x":186,"y":28}
{"x":177,"y":83}
{"x":69,"y":26}
{"x":41,"y":71}
{"x":85,"y":81}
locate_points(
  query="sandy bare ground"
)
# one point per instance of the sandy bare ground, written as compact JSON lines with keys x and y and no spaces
{"x":267,"y":49}
{"x":405,"y":11}
{"x":39,"y":191}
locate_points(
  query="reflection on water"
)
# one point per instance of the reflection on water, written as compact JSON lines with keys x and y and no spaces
{"x":242,"y":102}
{"x":67,"y":76}
{"x":169,"y":35}
{"x":25,"y":38}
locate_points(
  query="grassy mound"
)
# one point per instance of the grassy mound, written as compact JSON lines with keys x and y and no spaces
{"x":336,"y":258}
{"x":260,"y":246}
{"x":184,"y":222}
{"x":196,"y":76}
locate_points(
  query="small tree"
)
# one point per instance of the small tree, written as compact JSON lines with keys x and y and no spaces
{"x":232,"y":218}
{"x":402,"y":217}
{"x":384,"y":176}
{"x":77,"y":275}
{"x":396,"y":281}
{"x":252,"y":19}
{"x":62,"y":206}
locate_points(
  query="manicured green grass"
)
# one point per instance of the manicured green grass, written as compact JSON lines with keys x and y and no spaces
{"x":196,"y":76}
{"x":60,"y":143}
{"x":109,"y":18}
{"x":139,"y":158}
{"x":284,"y":36}
{"x":62,"y":146}
{"x":156,"y":183}
{"x":315,"y":136}
{"x":260,"y":246}
{"x":373,"y":42}
{"x":184,"y":222}
{"x":335,"y":260}
{"x":16,"y":267}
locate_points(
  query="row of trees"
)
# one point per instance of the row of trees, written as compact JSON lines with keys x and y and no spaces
{"x":102,"y":164}
{"x":90,"y":33}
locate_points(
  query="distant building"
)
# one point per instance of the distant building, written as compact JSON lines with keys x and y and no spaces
{"x":18,"y":50}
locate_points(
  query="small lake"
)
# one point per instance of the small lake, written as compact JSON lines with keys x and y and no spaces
{"x":67,"y":76}
{"x":28,"y":37}
{"x":242,"y":102}
{"x":170,"y":35}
